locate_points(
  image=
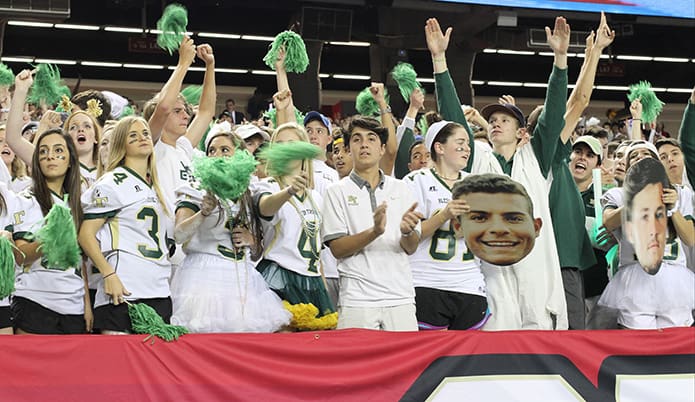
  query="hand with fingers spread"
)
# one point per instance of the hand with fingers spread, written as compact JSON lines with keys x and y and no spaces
{"x":50,"y":120}
{"x":559,"y":37}
{"x":380,"y":219}
{"x":410,"y":219}
{"x":437,"y":41}
{"x":506,"y":99}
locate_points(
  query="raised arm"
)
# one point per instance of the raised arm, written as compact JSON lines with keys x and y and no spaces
{"x":448,"y":102}
{"x":23,"y":148}
{"x":208,"y":97}
{"x":287,"y":114}
{"x":166,"y":98}
{"x":581,"y":94}
{"x":404,"y":133}
{"x":636,"y":125}
{"x":389,"y":159}
{"x":551,"y":120}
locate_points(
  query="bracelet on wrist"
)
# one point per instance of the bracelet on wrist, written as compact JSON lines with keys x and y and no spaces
{"x":438,"y":59}
{"x":408,"y":234}
{"x":387,"y":109}
{"x":204,"y":214}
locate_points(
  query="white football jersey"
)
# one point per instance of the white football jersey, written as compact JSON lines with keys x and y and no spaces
{"x":88,"y":176}
{"x":324,"y":176}
{"x":135,"y":225}
{"x":13,"y":206}
{"x":214,"y":234}
{"x":441,"y":261}
{"x":292,"y":242}
{"x":59,"y":290}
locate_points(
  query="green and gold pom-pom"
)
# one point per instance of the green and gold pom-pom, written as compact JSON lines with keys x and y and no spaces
{"x":58,"y":238}
{"x":6,"y":268}
{"x":6,"y":75}
{"x":305,"y":317}
{"x":366,"y":105}
{"x":192,"y":94}
{"x":47,"y":88}
{"x":405,"y":76}
{"x":279,"y":156}
{"x":296,"y":58}
{"x":145,"y":320}
{"x":173,"y":27}
{"x":651,"y":105}
{"x":272,"y":115}
{"x":227,"y":178}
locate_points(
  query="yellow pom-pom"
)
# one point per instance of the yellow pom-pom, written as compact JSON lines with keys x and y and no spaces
{"x":304,"y":317}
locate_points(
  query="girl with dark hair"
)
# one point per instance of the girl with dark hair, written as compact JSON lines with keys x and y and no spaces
{"x":449,"y":286}
{"x":49,"y":300}
{"x":125,"y":216}
{"x":217,"y":287}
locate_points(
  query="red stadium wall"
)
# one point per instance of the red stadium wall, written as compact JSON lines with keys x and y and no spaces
{"x":347,"y":365}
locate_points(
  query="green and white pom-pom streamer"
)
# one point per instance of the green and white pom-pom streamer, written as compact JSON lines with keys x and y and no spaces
{"x":192,"y":94}
{"x":651,"y":105}
{"x":366,"y":105}
{"x":272,"y":114}
{"x":145,"y":320}
{"x":47,"y":88}
{"x":58,"y":238}
{"x":279,"y":156}
{"x":405,"y":76}
{"x":296,"y":58}
{"x":227,"y":178}
{"x":422,"y":125}
{"x":6,"y":75}
{"x":172,"y":25}
{"x":6,"y":268}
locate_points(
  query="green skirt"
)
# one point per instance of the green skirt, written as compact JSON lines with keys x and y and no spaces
{"x":296,"y":288}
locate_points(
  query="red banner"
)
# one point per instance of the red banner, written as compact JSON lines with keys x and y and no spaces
{"x":351,"y":365}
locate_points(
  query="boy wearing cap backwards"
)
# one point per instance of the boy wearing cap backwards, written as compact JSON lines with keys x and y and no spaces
{"x":376,"y":285}
{"x":531,"y":298}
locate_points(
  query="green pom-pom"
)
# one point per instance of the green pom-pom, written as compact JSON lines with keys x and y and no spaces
{"x":145,"y":320}
{"x":279,"y":156}
{"x":58,"y":239}
{"x":227,"y":178}
{"x":405,"y":76}
{"x":173,"y":26}
{"x":127,"y":111}
{"x":47,"y":88}
{"x":272,"y":114}
{"x":651,"y":105}
{"x":192,"y":94}
{"x":366,"y":105}
{"x":6,"y":268}
{"x":6,"y":75}
{"x":296,"y":59}
{"x":422,"y":125}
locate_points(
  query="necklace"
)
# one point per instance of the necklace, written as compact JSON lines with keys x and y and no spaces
{"x":446,"y":178}
{"x":234,"y":219}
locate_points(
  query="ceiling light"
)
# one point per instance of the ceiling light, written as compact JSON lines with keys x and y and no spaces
{"x":505,"y":83}
{"x":612,"y":88}
{"x":123,"y":29}
{"x":18,"y":59}
{"x":351,"y":43}
{"x":351,"y":77}
{"x":489,"y":50}
{"x":144,"y":66}
{"x":535,"y":85}
{"x":30,"y":24}
{"x":55,"y":61}
{"x":671,"y":59}
{"x":263,"y":72}
{"x":516,"y":52}
{"x":680,"y":90}
{"x":428,"y":80}
{"x":231,"y":70}
{"x":100,"y":64}
{"x":258,"y":37}
{"x":218,"y":35}
{"x":77,"y":27}
{"x":635,"y":58}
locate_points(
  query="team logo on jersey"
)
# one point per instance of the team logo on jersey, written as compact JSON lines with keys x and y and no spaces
{"x":433,"y":188}
{"x":100,"y":202}
{"x":138,"y":188}
{"x":185,"y":172}
{"x":18,"y":217}
{"x":352,"y":200}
